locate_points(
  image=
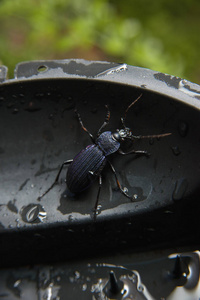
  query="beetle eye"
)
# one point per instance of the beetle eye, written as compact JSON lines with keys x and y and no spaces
{"x":130,"y":133}
{"x":116,"y":136}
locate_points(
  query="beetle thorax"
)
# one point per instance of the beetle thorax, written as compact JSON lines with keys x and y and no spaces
{"x":107,"y":143}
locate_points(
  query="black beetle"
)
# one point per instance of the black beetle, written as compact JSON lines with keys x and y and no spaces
{"x":88,"y":164}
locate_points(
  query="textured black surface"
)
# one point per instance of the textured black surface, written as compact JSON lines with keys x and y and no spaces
{"x":39,"y":130}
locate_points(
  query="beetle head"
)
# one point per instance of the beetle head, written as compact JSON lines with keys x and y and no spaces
{"x":122,"y":134}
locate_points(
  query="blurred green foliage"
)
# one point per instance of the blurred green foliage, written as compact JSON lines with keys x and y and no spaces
{"x":162,"y":35}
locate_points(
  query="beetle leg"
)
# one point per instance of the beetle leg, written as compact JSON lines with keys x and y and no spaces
{"x":105,"y":122}
{"x":134,"y":151}
{"x":63,"y":164}
{"x":122,"y":190}
{"x":84,"y":128}
{"x":57,"y":177}
{"x":97,"y":200}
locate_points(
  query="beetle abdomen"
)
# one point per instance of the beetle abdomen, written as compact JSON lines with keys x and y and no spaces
{"x":85,"y":168}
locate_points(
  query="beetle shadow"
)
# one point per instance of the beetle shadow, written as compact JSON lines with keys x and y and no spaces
{"x":110,"y":195}
{"x":70,"y":202}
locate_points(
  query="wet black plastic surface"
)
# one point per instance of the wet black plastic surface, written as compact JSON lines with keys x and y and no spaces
{"x":39,"y":131}
{"x":142,"y":277}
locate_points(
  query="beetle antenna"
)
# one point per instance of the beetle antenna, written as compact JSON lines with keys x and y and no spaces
{"x":150,"y":136}
{"x":124,"y":118}
{"x":105,"y":122}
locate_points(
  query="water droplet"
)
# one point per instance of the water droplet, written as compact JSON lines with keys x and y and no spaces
{"x":125,"y":189}
{"x":32,"y":107}
{"x":15,"y":111}
{"x":71,"y":279}
{"x":183,"y":128}
{"x":70,"y":218}
{"x":180,"y":189}
{"x":92,"y":270}
{"x":77,"y":274}
{"x":140,"y":288}
{"x":99,"y":207}
{"x":33,"y":213}
{"x":176,"y":150}
{"x":138,"y":187}
{"x":39,"y":95}
{"x":17,"y":283}
{"x":98,"y":210}
{"x":42,"y":215}
{"x":17,"y":223}
{"x":51,"y":116}
{"x":151,"y":229}
{"x":117,"y":69}
{"x":10,"y":104}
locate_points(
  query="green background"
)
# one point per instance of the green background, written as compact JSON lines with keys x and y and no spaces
{"x":162,"y":35}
